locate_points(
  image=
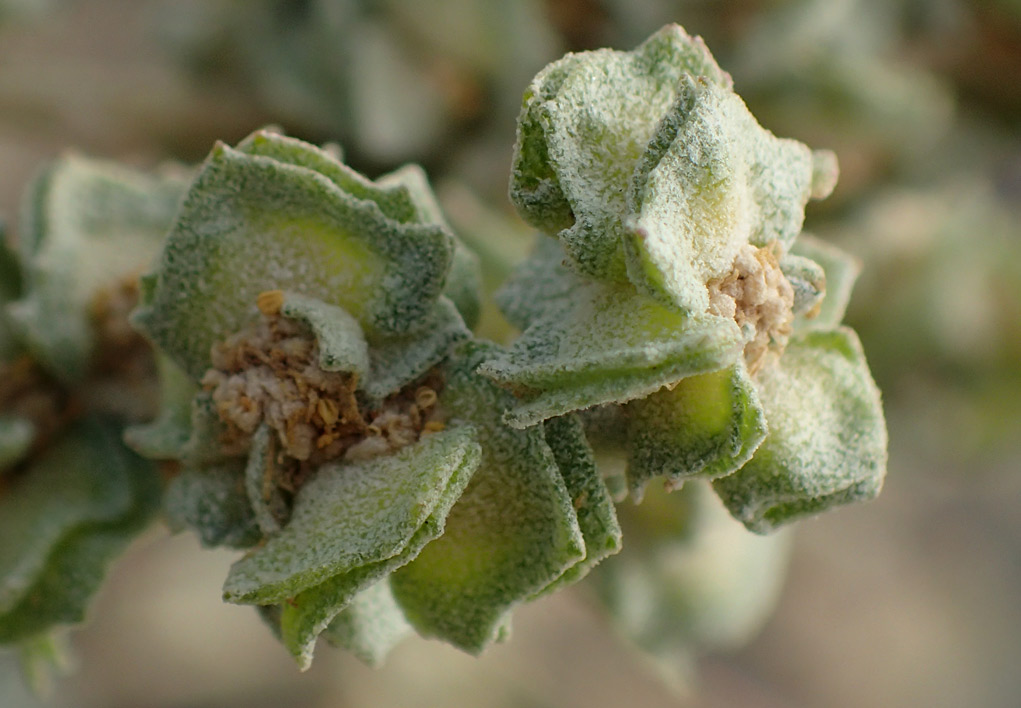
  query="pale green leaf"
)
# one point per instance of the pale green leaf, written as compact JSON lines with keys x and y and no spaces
{"x":87,"y":226}
{"x":808,"y":281}
{"x":706,"y":426}
{"x":251,"y":223}
{"x":264,"y":495}
{"x":538,"y":285}
{"x":166,"y":436}
{"x":590,"y":497}
{"x":827,"y":437}
{"x":393,"y":200}
{"x":76,"y":562}
{"x":710,"y":181}
{"x":396,"y":361}
{"x":464,"y":282}
{"x":350,"y":515}
{"x":341,"y":344}
{"x":211,"y":501}
{"x":607,"y":344}
{"x":82,"y":479}
{"x":692,"y":578}
{"x":512,"y":533}
{"x":596,"y":112}
{"x":841,"y":270}
{"x":305,"y":616}
{"x":370,"y":626}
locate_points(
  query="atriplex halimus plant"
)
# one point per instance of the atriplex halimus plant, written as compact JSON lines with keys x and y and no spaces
{"x":327,"y":407}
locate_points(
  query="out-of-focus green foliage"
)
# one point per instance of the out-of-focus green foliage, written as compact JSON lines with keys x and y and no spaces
{"x":73,"y":375}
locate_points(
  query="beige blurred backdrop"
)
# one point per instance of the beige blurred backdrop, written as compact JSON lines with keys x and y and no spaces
{"x":911,"y":600}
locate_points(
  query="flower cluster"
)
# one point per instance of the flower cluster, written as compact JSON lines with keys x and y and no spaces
{"x":333,"y":421}
{"x":326,"y":407}
{"x":676,"y":292}
{"x":72,"y":375}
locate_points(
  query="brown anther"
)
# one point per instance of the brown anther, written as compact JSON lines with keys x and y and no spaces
{"x":433,"y":426}
{"x":328,"y":411}
{"x":373,"y":430}
{"x":425,"y":397}
{"x":270,"y":302}
{"x":325,"y":440}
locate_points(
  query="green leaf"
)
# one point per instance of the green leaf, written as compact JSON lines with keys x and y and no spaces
{"x":692,"y":578}
{"x":841,"y":270}
{"x":705,"y":426}
{"x":166,"y":436}
{"x":710,"y":181}
{"x":464,"y":282}
{"x":351,"y":515}
{"x":596,"y":112}
{"x":87,"y":226}
{"x":35,"y":599}
{"x":396,"y":361}
{"x":370,"y":626}
{"x":251,"y":223}
{"x":265,"y":498}
{"x":394,"y":200}
{"x":605,"y":343}
{"x":307,"y":614}
{"x":83,"y":479}
{"x":16,"y":437}
{"x":808,"y":280}
{"x":537,"y":285}
{"x":211,"y":501}
{"x":597,"y":518}
{"x":827,"y":437}
{"x":512,"y":532}
{"x":341,"y":344}
{"x":204,"y":445}
{"x":305,"y":617}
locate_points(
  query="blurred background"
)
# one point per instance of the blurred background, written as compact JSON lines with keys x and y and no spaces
{"x":911,"y":600}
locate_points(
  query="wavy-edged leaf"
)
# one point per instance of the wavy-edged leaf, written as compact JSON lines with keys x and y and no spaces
{"x":251,"y":223}
{"x":265,"y":497}
{"x":512,"y":533}
{"x":706,"y":426}
{"x":370,"y":626}
{"x":393,"y":200}
{"x":539,"y":284}
{"x":464,"y":282}
{"x":59,"y":591}
{"x":808,"y":281}
{"x":596,"y":112}
{"x":396,"y":361}
{"x":342,"y":346}
{"x":710,"y":181}
{"x":304,"y":617}
{"x":827,"y":436}
{"x":165,"y":437}
{"x":841,"y":271}
{"x":597,"y":518}
{"x":211,"y":501}
{"x":87,"y":226}
{"x":692,"y":578}
{"x":207,"y":432}
{"x":350,"y":515}
{"x":607,"y":344}
{"x":84,"y":478}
